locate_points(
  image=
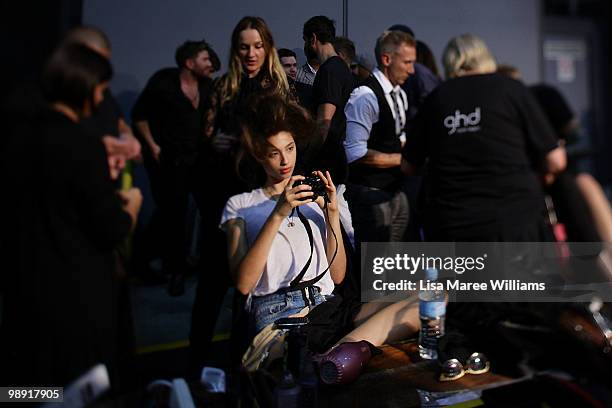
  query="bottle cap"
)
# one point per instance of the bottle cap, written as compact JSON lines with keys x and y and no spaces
{"x":431,"y":274}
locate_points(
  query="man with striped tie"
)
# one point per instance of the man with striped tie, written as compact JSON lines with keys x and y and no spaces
{"x":375,"y":134}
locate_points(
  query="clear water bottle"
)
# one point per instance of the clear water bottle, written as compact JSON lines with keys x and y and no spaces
{"x":432,"y":311}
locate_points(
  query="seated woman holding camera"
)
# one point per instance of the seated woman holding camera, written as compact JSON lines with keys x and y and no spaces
{"x":273,"y":257}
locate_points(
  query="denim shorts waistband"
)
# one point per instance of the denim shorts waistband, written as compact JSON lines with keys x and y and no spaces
{"x":289,"y":291}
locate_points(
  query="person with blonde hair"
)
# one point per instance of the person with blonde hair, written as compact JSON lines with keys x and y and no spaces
{"x":254,"y":69}
{"x":254,"y":66}
{"x":486,"y":144}
{"x":467,"y":54}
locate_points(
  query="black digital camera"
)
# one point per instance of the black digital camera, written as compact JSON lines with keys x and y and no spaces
{"x":317,"y":185}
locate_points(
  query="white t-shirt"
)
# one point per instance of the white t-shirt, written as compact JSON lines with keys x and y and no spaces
{"x":290,"y":249}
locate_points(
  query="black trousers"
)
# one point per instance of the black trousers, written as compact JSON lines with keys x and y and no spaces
{"x":213,"y":283}
{"x":218,"y":184}
{"x":177,"y":181}
{"x":211,"y":186}
{"x":378,"y":215}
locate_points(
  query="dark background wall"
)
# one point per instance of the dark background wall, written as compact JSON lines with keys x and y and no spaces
{"x":29,"y":32}
{"x":145,"y":34}
{"x":589,"y":20}
{"x":502,"y":24}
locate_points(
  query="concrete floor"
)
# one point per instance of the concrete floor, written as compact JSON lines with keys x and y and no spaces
{"x":162,"y":322}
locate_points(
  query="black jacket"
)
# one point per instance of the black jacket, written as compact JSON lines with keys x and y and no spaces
{"x":60,"y":226}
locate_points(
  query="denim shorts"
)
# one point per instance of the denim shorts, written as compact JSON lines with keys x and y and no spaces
{"x":267,"y":309}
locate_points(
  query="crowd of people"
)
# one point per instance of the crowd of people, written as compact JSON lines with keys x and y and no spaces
{"x":291,"y":167}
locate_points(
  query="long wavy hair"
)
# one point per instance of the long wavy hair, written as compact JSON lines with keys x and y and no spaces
{"x":274,"y":76}
{"x":265,"y":116}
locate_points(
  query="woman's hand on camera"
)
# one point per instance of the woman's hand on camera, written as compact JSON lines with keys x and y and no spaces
{"x":330,"y":189}
{"x":293,"y":197}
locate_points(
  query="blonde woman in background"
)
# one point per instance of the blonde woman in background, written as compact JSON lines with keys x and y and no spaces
{"x":254,"y":68}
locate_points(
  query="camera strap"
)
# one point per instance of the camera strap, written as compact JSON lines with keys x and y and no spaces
{"x":307,"y":286}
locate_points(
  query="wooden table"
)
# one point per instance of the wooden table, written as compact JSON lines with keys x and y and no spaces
{"x":392,"y":379}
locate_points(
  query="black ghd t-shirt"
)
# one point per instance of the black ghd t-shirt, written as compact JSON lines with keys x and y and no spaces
{"x":484,"y":137}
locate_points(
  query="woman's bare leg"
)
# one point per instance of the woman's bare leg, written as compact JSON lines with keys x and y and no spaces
{"x":598,"y":204}
{"x":380,"y":323}
{"x":368,"y":310}
{"x":602,"y":217}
